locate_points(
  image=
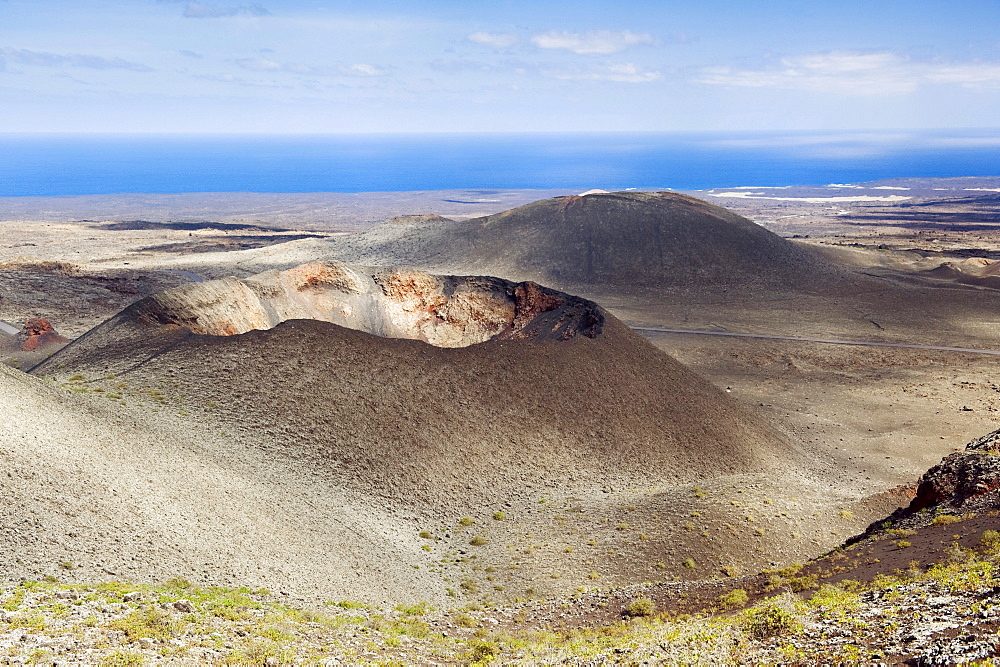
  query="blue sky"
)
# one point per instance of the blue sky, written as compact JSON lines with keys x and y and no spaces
{"x":508,"y":65}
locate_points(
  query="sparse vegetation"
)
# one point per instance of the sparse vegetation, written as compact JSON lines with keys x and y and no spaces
{"x":991,"y":540}
{"x":770,"y":619}
{"x":734,"y":599}
{"x":945,"y":519}
{"x":286,"y":634}
{"x":640,"y":607}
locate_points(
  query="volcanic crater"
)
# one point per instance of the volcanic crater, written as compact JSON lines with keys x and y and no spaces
{"x":445,"y":311}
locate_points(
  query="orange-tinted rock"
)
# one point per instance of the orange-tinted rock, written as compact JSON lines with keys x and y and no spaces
{"x":37,"y":333}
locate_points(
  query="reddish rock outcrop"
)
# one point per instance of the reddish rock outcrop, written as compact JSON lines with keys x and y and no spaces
{"x":37,"y":333}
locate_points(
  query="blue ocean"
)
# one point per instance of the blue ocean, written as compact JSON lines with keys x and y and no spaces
{"x":53,"y":165}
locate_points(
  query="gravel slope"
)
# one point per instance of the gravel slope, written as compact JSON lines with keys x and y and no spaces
{"x":94,"y":489}
{"x":319,"y":458}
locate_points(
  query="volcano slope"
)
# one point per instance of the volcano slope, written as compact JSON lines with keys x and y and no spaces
{"x":625,"y":239}
{"x":470,"y":436}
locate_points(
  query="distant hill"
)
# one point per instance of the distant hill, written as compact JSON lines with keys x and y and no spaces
{"x":621,"y":238}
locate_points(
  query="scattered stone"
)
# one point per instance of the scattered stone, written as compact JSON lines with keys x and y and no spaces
{"x":184,"y":606}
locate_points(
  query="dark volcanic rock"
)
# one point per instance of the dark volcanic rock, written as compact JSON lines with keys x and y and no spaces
{"x":963,"y":483}
{"x":957,"y":479}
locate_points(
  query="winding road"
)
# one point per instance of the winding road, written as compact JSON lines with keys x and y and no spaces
{"x":832,"y":341}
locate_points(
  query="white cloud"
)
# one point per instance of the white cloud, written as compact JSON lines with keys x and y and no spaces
{"x":809,"y":140}
{"x":622,"y":73}
{"x":237,"y":81}
{"x":974,"y":75}
{"x":594,"y":42}
{"x":363,"y":69}
{"x":844,"y":62}
{"x":267,"y":65}
{"x":854,"y":73}
{"x":964,"y":142}
{"x":46,"y":59}
{"x":838,"y":72}
{"x":458,"y":65}
{"x":201,"y":10}
{"x":495,"y":40}
{"x":259,"y":64}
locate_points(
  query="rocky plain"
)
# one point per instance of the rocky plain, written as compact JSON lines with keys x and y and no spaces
{"x":727,"y":426}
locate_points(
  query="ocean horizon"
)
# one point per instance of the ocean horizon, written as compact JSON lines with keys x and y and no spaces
{"x":85,"y":164}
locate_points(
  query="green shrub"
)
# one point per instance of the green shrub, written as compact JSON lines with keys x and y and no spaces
{"x":791,"y":570}
{"x":351,"y":604}
{"x":418,"y":609}
{"x":836,"y":601}
{"x":990,"y":539}
{"x":122,"y":659}
{"x":803,"y":583}
{"x":945,"y":519}
{"x":640,"y":607}
{"x":466,"y":521}
{"x":734,"y":599}
{"x":768,"y":620}
{"x":146,"y":623}
{"x":465,"y":621}
{"x":482,"y":652}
